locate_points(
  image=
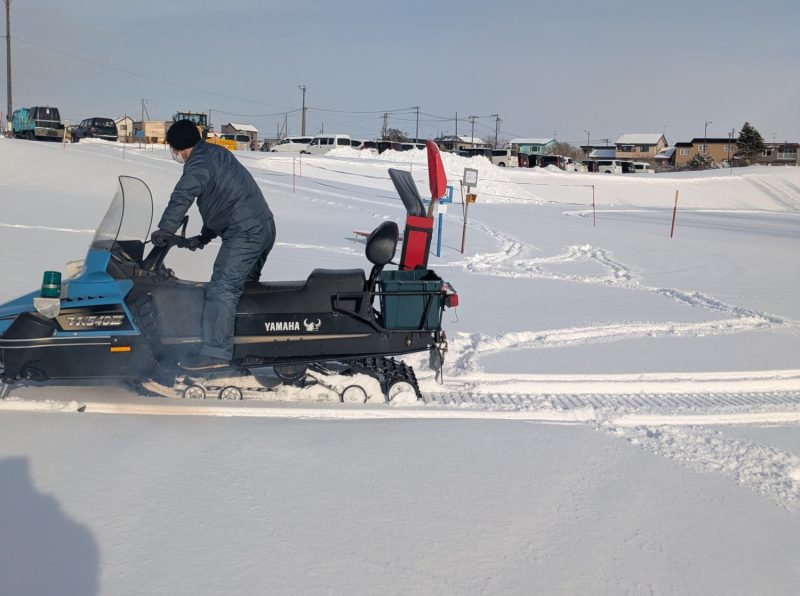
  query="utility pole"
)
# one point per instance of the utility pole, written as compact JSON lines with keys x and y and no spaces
{"x":496,"y":128}
{"x":416,"y":134}
{"x":472,"y":134}
{"x":385,"y":125}
{"x":143,"y":100}
{"x":456,"y":135}
{"x":8,"y":60}
{"x":705,"y":136}
{"x":303,"y":118}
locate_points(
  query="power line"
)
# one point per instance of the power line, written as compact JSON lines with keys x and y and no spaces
{"x":390,"y":112}
{"x":143,"y":76}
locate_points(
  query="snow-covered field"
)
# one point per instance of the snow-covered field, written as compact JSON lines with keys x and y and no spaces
{"x":620,"y":413}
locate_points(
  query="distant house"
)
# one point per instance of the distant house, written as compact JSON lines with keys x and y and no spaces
{"x":719,"y":149}
{"x":150,"y":131}
{"x":640,"y":146}
{"x":251,"y":131}
{"x":124,"y":129}
{"x":666,"y":157}
{"x":780,"y":154}
{"x":602,"y":153}
{"x":456,"y":143}
{"x":533,"y":146}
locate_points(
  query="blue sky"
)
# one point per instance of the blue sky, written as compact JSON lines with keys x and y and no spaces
{"x":547,"y":68}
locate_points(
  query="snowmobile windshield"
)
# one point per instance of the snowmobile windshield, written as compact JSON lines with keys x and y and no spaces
{"x":129,"y":216}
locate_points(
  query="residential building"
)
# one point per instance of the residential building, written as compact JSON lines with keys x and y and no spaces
{"x":456,"y":143}
{"x":151,"y":131}
{"x":242,"y":129}
{"x":780,"y":154}
{"x":533,"y":146}
{"x":666,"y":157}
{"x":719,"y":149}
{"x":124,"y":129}
{"x":640,"y":146}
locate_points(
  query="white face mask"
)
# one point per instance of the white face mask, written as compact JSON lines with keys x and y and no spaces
{"x":177,"y":156}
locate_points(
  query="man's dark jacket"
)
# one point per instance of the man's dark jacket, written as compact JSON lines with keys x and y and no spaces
{"x":226,"y":192}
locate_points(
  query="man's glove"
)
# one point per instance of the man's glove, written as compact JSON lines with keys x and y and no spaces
{"x":160,"y":238}
{"x":207,"y":235}
{"x":195,"y":242}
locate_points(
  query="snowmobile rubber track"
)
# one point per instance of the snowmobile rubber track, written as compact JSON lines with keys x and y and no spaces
{"x":393,"y":371}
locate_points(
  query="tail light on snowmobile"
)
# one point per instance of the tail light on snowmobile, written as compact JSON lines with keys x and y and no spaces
{"x":451,"y":297}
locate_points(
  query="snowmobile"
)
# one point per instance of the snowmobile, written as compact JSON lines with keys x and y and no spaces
{"x":121,"y":314}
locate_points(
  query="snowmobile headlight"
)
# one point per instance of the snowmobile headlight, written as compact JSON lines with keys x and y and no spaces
{"x":47,"y":307}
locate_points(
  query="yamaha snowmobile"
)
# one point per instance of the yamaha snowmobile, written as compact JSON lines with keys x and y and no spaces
{"x":122,"y":314}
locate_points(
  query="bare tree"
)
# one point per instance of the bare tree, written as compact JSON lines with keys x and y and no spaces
{"x":568,"y":150}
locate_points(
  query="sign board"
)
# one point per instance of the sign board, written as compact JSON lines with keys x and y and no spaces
{"x":448,"y":196}
{"x":470,"y":177}
{"x":441,"y":208}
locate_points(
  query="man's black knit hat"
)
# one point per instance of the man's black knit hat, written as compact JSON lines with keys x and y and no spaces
{"x":183,"y":134}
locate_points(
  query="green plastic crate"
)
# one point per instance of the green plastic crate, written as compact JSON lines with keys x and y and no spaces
{"x":404,"y":301}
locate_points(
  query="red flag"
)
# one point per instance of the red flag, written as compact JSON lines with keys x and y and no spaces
{"x":436,"y":176}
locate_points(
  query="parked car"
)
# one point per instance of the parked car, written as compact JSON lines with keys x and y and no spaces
{"x":321,"y":144}
{"x":642,"y":167}
{"x":387,"y":145}
{"x":505,"y":158}
{"x":552,"y":160}
{"x":95,"y":128}
{"x":361,"y":145}
{"x":609,"y":166}
{"x":290,"y":144}
{"x":476,"y":152}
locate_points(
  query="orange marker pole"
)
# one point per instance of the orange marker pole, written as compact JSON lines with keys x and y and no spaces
{"x":674,"y":212}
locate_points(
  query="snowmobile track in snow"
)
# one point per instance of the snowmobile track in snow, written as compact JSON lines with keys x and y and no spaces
{"x":623,"y":410}
{"x":634,"y":403}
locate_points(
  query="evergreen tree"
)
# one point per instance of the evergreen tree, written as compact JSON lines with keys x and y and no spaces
{"x":750,"y":143}
{"x":700,"y":161}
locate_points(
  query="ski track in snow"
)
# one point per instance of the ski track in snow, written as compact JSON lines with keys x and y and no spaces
{"x":773,"y":473}
{"x":510,"y":261}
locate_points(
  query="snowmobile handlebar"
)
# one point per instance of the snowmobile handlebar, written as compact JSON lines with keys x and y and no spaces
{"x":155,"y":260}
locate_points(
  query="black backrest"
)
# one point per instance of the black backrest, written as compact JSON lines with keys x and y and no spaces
{"x":382,"y":243}
{"x":408,"y":192}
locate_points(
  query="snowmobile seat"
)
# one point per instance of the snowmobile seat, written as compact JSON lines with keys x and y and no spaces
{"x":381,"y":246}
{"x":315,"y":295}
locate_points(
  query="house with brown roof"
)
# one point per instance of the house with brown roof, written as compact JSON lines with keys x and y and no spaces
{"x":640,"y":146}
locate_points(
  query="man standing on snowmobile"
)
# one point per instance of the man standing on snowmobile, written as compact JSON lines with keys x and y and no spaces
{"x":233,"y":208}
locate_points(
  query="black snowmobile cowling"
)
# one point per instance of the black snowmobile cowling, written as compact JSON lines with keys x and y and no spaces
{"x":126,"y":315}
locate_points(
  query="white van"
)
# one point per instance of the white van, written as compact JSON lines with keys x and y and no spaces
{"x":291,"y":144}
{"x":642,"y":167}
{"x":321,"y":144}
{"x":505,"y":158}
{"x":609,"y":166}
